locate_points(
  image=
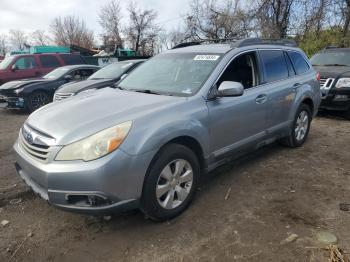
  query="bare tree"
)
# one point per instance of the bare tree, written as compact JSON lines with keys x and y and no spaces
{"x":39,"y":37}
{"x":3,"y":45}
{"x":70,"y":30}
{"x":18,"y":39}
{"x":141,"y":30}
{"x":273,"y":17}
{"x":109,"y":19}
{"x":214,"y":19}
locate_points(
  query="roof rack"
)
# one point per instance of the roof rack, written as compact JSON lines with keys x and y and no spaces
{"x":205,"y":41}
{"x":242,"y":42}
{"x":266,"y":41}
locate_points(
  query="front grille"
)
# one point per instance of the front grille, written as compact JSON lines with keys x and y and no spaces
{"x":326,"y":83}
{"x":61,"y":96}
{"x":37,"y":151}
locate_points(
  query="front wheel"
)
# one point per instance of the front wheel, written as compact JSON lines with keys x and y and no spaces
{"x":300,"y":128}
{"x":171,"y":183}
{"x":37,"y":100}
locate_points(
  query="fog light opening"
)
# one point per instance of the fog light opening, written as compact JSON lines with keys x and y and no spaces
{"x":87,"y":200}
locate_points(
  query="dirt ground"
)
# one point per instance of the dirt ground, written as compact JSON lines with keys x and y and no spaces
{"x":275,"y":192}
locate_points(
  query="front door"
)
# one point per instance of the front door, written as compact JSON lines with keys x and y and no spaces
{"x":25,"y":67}
{"x":236,"y":122}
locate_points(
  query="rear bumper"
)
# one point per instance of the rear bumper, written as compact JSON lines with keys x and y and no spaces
{"x":107,"y":185}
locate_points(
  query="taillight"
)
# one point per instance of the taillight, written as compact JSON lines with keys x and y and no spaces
{"x":318,"y":76}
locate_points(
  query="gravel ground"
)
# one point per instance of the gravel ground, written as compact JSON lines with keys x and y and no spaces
{"x":248,"y":210}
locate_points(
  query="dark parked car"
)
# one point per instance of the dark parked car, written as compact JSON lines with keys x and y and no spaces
{"x":30,"y":94}
{"x":334,"y":67}
{"x":105,"y":77}
{"x":34,"y":65}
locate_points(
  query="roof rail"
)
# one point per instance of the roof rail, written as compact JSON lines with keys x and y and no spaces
{"x":241,"y":42}
{"x":331,"y":47}
{"x":204,"y":41}
{"x":266,"y":41}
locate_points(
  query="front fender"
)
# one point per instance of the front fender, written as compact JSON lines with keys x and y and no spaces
{"x":150,"y":133}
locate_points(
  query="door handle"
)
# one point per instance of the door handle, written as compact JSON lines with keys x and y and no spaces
{"x":296,"y":86}
{"x":260,"y":99}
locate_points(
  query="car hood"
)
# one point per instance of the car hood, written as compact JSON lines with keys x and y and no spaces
{"x":332,"y":71}
{"x":80,"y":116}
{"x":21,"y":83}
{"x":84,"y":85}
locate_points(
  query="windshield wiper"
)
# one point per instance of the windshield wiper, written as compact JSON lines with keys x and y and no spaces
{"x":146,"y":91}
{"x":335,"y":65}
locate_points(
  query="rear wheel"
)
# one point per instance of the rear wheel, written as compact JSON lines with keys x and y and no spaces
{"x":37,"y":100}
{"x":300,"y":128}
{"x":171,"y":183}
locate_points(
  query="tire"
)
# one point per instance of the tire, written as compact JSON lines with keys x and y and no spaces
{"x":299,"y":130}
{"x":163,"y":183}
{"x":37,"y":100}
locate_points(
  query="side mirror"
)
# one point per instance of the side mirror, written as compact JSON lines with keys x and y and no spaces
{"x":123,"y":76}
{"x":68,"y":78}
{"x":229,"y":88}
{"x":14,"y":68}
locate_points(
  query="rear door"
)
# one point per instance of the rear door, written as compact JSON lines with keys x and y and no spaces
{"x":48,"y":63}
{"x":26,"y":67}
{"x":278,"y":77}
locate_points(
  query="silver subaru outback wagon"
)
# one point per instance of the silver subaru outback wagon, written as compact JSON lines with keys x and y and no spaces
{"x":145,"y":143}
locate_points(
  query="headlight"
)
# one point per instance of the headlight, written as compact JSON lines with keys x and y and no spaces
{"x":343,"y":82}
{"x":17,"y":91}
{"x":97,"y":145}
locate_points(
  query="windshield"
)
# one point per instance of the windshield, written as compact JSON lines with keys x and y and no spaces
{"x":6,"y":62}
{"x":57,"y":73}
{"x":181,"y":74}
{"x":112,"y":71}
{"x":331,"y":59}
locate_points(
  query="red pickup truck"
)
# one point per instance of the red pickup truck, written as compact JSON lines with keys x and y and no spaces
{"x":34,"y":65}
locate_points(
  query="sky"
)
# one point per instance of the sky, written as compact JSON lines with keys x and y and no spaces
{"x":30,"y":15}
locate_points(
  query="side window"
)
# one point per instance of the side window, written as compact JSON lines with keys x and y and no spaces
{"x":72,"y":59}
{"x":300,"y":65}
{"x":289,"y":65}
{"x":81,"y":73}
{"x":242,"y":69}
{"x":274,"y":64}
{"x":49,"y":61}
{"x":27,"y":62}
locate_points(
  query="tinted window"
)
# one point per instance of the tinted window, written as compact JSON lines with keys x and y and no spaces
{"x":72,"y":59}
{"x":289,"y":65}
{"x":300,"y":65}
{"x":26,"y":62}
{"x":49,"y":61}
{"x":81,"y":73}
{"x":274,"y":64}
{"x":331,"y":58}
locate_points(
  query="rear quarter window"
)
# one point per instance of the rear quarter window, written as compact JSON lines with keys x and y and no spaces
{"x":69,"y":59}
{"x":274,"y":64}
{"x":299,"y":63}
{"x":49,"y":61}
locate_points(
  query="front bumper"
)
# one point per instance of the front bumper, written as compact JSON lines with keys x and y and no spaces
{"x":12,"y":102}
{"x":336,"y":99}
{"x":116,"y":181}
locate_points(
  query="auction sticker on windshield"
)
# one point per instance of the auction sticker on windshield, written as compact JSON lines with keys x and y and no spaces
{"x":206,"y":57}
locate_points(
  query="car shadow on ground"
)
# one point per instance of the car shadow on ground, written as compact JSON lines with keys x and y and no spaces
{"x":208,"y":182}
{"x":338,"y":115}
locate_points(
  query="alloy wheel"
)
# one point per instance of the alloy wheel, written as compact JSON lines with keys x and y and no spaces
{"x":174,"y":184}
{"x":301,"y":125}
